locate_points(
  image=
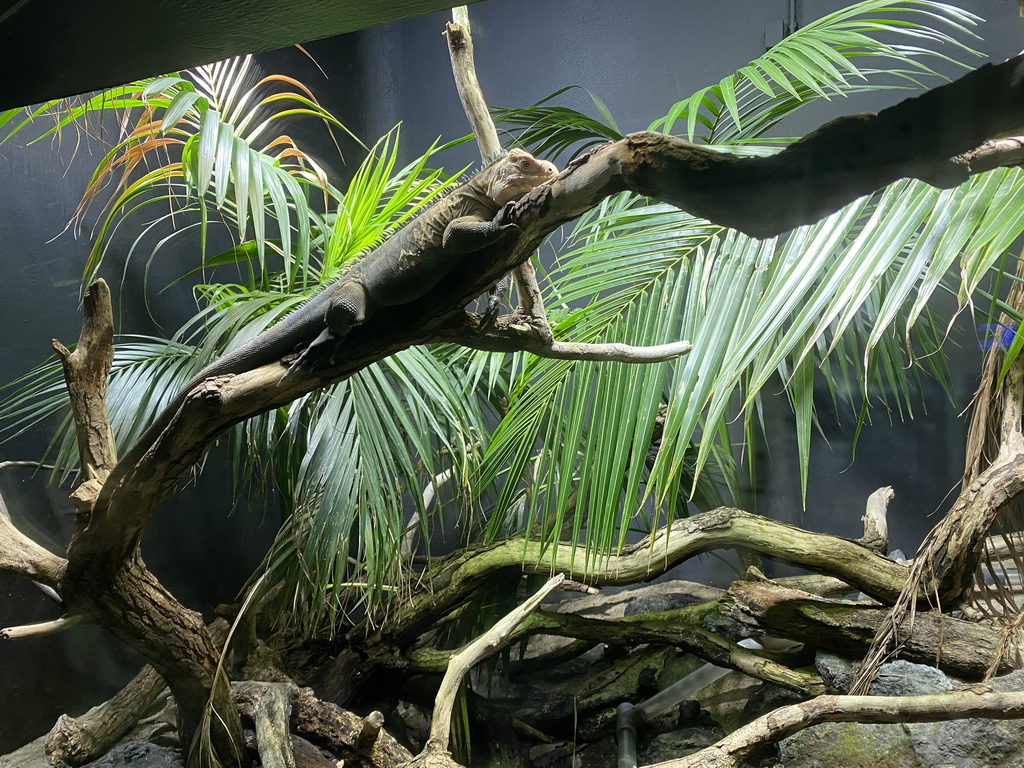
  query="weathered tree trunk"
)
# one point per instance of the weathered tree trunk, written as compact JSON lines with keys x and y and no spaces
{"x":105,"y":576}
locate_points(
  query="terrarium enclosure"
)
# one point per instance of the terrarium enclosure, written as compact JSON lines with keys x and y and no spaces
{"x":533,"y":384}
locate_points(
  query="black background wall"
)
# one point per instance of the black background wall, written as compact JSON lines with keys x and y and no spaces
{"x":639,"y":57}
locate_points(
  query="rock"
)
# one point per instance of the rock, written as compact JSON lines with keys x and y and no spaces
{"x":903,"y":678}
{"x":686,"y":741}
{"x":138,"y":754}
{"x":836,"y":671}
{"x":850,"y":745}
{"x":32,"y":755}
{"x":974,"y":743}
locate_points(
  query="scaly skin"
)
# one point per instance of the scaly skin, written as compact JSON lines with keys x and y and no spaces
{"x":406,"y":266}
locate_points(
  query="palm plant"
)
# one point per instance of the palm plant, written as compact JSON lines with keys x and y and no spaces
{"x":549,"y":449}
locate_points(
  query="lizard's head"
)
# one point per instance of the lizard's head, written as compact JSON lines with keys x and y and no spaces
{"x":515,"y":174}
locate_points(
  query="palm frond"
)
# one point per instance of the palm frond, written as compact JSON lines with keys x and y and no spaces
{"x":819,"y":61}
{"x":843,"y":53}
{"x":373,"y":444}
{"x":550,"y":130}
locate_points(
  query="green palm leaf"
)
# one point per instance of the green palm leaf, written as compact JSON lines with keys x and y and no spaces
{"x":375,"y":443}
{"x":818,"y":61}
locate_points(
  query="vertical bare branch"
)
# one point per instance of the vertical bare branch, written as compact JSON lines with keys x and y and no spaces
{"x":460,"y":49}
{"x":85,"y":371}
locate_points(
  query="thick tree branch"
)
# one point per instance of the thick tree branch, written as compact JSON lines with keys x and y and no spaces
{"x":343,"y":732}
{"x":682,"y":628}
{"x":79,"y":740}
{"x":85,"y":371}
{"x":456,"y":576}
{"x":962,"y":648}
{"x":269,"y":706}
{"x":460,"y":49}
{"x":20,"y":556}
{"x":105,"y":576}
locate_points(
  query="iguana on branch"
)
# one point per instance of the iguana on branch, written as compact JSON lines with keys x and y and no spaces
{"x":405,"y":267}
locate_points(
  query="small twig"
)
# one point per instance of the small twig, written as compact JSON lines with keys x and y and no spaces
{"x":32,"y":464}
{"x":465,"y":659}
{"x":41,"y":629}
{"x":508,"y":335}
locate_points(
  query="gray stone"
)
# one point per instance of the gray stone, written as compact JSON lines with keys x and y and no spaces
{"x":903,"y":678}
{"x":666,"y":746}
{"x":138,"y":754}
{"x":836,"y":671}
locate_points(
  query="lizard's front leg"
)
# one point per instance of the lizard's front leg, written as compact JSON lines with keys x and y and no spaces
{"x":471,"y":233}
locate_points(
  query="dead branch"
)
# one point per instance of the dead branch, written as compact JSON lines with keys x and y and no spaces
{"x":513,"y":333}
{"x":41,"y":629}
{"x":464,"y":660}
{"x":725,"y":527}
{"x":343,"y":733}
{"x":518,"y":332}
{"x":269,"y":706}
{"x":79,"y":740}
{"x":876,"y":526}
{"x":105,"y":577}
{"x":20,"y":556}
{"x":85,"y":371}
{"x":962,"y":648}
{"x":745,"y":742}
{"x":460,"y":50}
{"x":682,"y":628}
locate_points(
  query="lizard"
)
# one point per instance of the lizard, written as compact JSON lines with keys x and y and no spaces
{"x":403,"y":268}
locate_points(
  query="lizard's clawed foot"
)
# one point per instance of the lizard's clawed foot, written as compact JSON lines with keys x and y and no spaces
{"x":319,"y":354}
{"x":494,"y":304}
